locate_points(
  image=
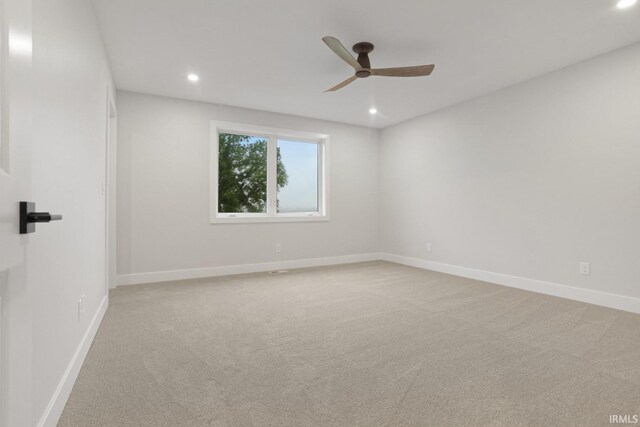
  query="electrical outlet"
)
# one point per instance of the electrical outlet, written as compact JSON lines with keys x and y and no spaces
{"x":585,"y":268}
{"x":278,"y":248}
{"x":428,"y":247}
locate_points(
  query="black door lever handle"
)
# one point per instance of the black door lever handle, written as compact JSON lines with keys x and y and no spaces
{"x":29,"y":218}
{"x":42,"y":217}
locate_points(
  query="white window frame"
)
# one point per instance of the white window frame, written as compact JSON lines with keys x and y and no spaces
{"x":272,"y":135}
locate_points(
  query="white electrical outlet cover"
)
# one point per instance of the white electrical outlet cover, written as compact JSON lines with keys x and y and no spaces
{"x":585,"y":268}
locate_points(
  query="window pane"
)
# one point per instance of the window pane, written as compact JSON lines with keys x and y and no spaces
{"x":297,"y":176}
{"x":242,"y":173}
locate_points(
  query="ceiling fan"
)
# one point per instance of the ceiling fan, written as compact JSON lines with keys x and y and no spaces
{"x":363,"y":66}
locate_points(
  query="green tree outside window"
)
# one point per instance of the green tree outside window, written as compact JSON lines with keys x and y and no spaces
{"x":242,"y":173}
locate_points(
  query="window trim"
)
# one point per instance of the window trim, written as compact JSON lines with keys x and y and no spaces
{"x":272,"y":135}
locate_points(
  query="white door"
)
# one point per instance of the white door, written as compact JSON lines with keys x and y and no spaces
{"x":15,"y":186}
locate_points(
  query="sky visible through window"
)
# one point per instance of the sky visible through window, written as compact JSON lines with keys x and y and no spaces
{"x":300,"y":160}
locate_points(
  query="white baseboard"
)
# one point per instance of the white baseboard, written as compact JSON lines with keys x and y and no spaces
{"x":590,"y":296}
{"x":197,"y":273}
{"x":54,"y":409}
{"x":56,"y":405}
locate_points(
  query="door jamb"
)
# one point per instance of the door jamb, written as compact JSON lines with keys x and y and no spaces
{"x":107,"y":187}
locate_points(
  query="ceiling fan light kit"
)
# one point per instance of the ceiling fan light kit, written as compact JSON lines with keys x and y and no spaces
{"x":362,"y":65}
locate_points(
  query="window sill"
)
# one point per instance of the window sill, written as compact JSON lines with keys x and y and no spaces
{"x":264,"y":219}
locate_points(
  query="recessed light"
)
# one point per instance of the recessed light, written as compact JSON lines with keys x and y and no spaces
{"x":193,"y":77}
{"x":373,"y":111}
{"x":623,"y":4}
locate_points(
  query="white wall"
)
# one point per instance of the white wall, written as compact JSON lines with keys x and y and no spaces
{"x":66,"y":259}
{"x":527,"y":181}
{"x":163,"y":191}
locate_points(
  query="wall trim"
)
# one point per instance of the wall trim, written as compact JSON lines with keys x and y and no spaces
{"x":198,"y":273}
{"x":590,"y":296}
{"x":54,"y":409}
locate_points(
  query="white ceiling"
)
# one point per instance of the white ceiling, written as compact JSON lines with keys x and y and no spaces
{"x":268,"y":54}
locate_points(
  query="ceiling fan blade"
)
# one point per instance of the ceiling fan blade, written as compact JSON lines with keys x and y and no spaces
{"x":337,"y":47}
{"x":341,"y":85}
{"x":418,"y":70}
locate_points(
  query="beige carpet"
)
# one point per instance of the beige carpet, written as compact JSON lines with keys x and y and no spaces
{"x":371,"y":344}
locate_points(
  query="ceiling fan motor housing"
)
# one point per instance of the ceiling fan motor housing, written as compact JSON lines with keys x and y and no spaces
{"x":363,"y":49}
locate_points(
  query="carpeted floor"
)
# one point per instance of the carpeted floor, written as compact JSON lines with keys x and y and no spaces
{"x":371,"y":344}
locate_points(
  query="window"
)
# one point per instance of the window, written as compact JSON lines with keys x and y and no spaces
{"x":242,"y":173}
{"x":267,"y":175}
{"x":297,"y":176}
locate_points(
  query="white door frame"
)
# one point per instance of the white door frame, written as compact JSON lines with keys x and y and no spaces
{"x":108,"y":190}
